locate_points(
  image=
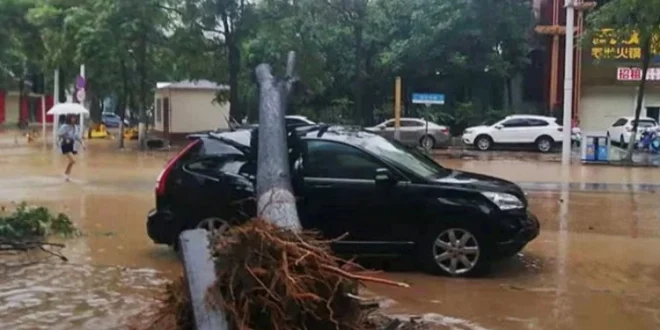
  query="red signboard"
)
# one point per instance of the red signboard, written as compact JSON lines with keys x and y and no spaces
{"x":635,"y":74}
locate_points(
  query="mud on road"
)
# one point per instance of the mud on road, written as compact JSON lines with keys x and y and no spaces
{"x":596,"y":264}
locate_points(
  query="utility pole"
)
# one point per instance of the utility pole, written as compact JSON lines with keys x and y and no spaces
{"x":568,"y":81}
{"x":56,"y":101}
{"x":397,"y":108}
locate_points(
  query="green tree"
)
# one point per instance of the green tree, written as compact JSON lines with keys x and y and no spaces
{"x":632,"y":18}
{"x":21,"y":47}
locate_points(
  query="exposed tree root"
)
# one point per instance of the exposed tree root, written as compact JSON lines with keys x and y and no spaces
{"x":270,"y":278}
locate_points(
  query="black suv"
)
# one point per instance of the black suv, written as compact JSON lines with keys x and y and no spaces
{"x":391,"y":200}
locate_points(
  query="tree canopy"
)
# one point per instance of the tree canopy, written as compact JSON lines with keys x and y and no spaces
{"x":349,"y":51}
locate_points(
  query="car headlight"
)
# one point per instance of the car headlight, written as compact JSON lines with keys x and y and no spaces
{"x":504,"y":201}
{"x":467,"y":131}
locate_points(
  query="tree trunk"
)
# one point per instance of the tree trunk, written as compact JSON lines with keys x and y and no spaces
{"x":122,"y":102}
{"x":21,"y":97}
{"x":509,"y":94}
{"x":275,"y":200}
{"x":646,"y":61}
{"x":142,"y":73}
{"x":234,"y":58}
{"x":360,"y":115}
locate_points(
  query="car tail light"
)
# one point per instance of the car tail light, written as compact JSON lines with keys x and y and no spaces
{"x":162,"y":177}
{"x":445,"y":131}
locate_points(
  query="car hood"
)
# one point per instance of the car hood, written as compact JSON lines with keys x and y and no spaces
{"x":481,"y":182}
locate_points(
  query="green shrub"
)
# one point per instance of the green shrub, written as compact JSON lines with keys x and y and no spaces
{"x":29,"y":222}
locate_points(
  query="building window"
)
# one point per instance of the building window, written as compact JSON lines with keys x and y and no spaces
{"x":159,"y":110}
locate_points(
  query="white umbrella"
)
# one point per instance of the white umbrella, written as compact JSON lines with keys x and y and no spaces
{"x":68,"y":109}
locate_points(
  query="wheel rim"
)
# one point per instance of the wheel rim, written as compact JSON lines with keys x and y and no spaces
{"x":483,"y":144}
{"x":456,"y":251}
{"x":213,"y":225}
{"x":427,"y":143}
{"x":544,"y":145}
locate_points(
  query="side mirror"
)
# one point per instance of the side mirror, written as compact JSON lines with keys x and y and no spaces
{"x":499,"y":126}
{"x":384,"y":175}
{"x":382,"y":128}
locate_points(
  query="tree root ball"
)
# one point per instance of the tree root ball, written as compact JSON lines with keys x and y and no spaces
{"x":270,"y":278}
{"x":273,"y":278}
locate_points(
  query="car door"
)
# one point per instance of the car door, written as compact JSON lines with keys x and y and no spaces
{"x":514,"y":130}
{"x":537,"y":127}
{"x":616,"y":130}
{"x":412,"y":131}
{"x":386,"y":129}
{"x":340,"y":195}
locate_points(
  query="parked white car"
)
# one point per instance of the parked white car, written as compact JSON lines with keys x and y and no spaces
{"x":621,"y":130}
{"x":541,"y":131}
{"x":298,"y":120}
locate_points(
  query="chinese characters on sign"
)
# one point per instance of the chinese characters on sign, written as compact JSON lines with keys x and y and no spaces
{"x":608,"y":45}
{"x":635,"y":74}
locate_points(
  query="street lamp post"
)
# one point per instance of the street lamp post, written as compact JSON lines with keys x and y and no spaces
{"x":568,"y":81}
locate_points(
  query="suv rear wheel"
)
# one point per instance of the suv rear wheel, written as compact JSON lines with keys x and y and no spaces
{"x":454,"y":250}
{"x":544,"y":144}
{"x":213,"y":224}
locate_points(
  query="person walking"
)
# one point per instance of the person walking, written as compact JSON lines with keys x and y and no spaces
{"x":68,"y":135}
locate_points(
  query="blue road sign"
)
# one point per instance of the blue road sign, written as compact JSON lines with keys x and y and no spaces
{"x":427,"y":98}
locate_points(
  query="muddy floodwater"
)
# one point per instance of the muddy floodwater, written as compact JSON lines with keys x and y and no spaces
{"x":596,"y":264}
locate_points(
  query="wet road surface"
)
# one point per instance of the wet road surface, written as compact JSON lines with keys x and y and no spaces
{"x":594,"y":266}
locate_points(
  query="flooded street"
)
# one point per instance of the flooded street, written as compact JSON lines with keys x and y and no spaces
{"x":594,"y":266}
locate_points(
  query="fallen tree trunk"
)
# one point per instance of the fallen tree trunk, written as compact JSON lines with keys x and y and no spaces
{"x":199,"y":272}
{"x":275,"y":200}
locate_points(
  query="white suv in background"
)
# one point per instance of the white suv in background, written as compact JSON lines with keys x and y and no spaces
{"x":621,"y":129}
{"x":541,"y":131}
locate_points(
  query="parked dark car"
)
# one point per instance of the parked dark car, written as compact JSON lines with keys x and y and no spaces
{"x":390,"y":199}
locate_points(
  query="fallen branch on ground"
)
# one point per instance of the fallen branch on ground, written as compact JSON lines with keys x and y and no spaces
{"x":27,"y":228}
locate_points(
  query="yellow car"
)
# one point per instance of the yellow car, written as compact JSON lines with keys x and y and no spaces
{"x":98,"y":131}
{"x":131,"y":133}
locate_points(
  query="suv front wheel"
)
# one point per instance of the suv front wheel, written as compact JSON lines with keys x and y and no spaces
{"x":455,"y":250}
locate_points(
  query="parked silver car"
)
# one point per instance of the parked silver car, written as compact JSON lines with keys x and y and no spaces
{"x":415,"y":131}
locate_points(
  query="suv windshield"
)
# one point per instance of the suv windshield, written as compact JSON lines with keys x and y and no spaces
{"x":401,"y":156}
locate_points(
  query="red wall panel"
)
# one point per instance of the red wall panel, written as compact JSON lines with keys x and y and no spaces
{"x":2,"y":107}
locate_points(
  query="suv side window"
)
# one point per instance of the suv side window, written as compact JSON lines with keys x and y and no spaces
{"x":537,"y":122}
{"x":332,"y":160}
{"x":620,"y":122}
{"x":516,"y":122}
